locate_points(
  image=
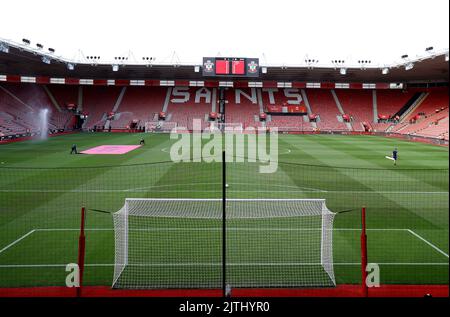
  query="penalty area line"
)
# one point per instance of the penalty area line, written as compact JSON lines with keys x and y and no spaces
{"x":17,"y":241}
{"x":219,"y":264}
{"x":280,"y":188}
{"x":427,"y":242}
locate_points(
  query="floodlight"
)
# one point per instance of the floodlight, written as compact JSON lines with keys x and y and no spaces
{"x":343,"y":71}
{"x":4,"y":48}
{"x":115,"y":68}
{"x":46,"y":60}
{"x":409,"y":66}
{"x":385,"y":71}
{"x":70,"y":66}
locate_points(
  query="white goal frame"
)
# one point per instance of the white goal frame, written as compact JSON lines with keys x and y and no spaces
{"x":121,"y":226}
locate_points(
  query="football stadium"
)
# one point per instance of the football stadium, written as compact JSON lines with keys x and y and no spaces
{"x":227,"y":176}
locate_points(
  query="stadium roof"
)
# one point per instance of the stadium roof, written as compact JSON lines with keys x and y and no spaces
{"x":19,"y":60}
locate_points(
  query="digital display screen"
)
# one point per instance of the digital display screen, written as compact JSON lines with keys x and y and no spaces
{"x":222,"y":67}
{"x":238,"y":67}
{"x":230,"y":67}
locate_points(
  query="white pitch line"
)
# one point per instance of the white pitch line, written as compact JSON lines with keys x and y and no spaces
{"x":428,"y":242}
{"x":219,"y":264}
{"x":298,"y":188}
{"x":335,"y":191}
{"x":74,"y":229}
{"x":150,"y":188}
{"x":192,"y":229}
{"x":166,"y":150}
{"x":400,"y":263}
{"x":16,"y":241}
{"x":144,"y":190}
{"x":233,"y":229}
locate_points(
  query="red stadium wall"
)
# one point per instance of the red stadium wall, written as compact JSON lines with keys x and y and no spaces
{"x":338,"y":291}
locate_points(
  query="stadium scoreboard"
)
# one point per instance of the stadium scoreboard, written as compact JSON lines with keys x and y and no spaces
{"x":230,"y":67}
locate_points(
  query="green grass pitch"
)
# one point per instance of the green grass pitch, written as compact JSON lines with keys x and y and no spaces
{"x":42,"y":188}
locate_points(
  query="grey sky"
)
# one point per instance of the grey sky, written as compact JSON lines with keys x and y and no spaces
{"x":277,"y":31}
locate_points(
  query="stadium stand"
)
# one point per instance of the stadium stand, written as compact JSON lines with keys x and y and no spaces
{"x":64,"y":96}
{"x":139,"y":104}
{"x":97,"y":103}
{"x":180,"y":105}
{"x":189,"y":103}
{"x":323,"y":104}
{"x":19,"y":105}
{"x":289,"y":122}
{"x":358,"y":104}
{"x":390,"y":101}
{"x":240,"y":109}
{"x":285,"y":121}
{"x":437,"y":128}
{"x":436,"y":99}
{"x":432,"y":110}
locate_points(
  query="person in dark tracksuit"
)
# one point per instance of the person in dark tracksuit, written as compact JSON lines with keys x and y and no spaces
{"x":395,"y":156}
{"x":74,"y":149}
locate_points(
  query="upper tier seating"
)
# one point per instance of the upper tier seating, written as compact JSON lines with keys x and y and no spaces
{"x":436,"y":99}
{"x":279,"y":98}
{"x":240,"y":109}
{"x":20,"y":103}
{"x":98,"y":102}
{"x":426,"y":113}
{"x":187,"y":104}
{"x":20,"y":106}
{"x":358,"y":104}
{"x":391,"y":101}
{"x":437,"y":128}
{"x":141,"y":104}
{"x":323,"y":104}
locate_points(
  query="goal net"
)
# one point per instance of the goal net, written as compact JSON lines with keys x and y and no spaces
{"x":177,"y":243}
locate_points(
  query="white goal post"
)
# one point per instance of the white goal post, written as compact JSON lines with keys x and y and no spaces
{"x":177,"y":243}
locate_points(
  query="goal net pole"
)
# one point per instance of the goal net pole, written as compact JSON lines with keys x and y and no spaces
{"x":81,"y":252}
{"x":365,"y":290}
{"x":224,"y":226}
{"x":120,"y":241}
